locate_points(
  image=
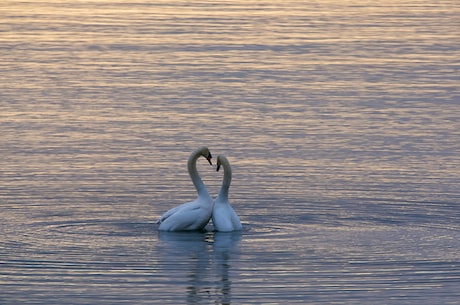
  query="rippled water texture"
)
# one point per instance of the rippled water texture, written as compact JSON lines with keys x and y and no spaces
{"x":340,"y":118}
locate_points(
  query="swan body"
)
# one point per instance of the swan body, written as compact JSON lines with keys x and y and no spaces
{"x":224,"y":217}
{"x":193,"y":215}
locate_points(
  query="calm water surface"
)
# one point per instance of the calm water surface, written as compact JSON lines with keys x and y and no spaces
{"x":341,"y":120}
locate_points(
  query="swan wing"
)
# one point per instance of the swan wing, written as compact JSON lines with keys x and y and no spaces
{"x":188,"y":205}
{"x":188,"y":216}
{"x":236,"y":221}
{"x":169,"y":213}
{"x":225,"y":218}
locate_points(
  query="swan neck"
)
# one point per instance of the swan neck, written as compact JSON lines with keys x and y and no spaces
{"x":194,"y":175}
{"x":223,"y":193}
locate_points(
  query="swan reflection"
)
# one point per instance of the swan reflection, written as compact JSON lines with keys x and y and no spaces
{"x":203,"y":260}
{"x":225,"y":247}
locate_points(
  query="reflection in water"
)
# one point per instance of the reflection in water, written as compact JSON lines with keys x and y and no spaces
{"x":225,"y":246}
{"x":203,"y":258}
{"x":342,"y":118}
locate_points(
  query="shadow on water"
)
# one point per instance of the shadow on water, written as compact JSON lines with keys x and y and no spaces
{"x":204,"y":259}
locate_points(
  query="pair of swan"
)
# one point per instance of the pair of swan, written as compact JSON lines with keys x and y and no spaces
{"x":196,"y":214}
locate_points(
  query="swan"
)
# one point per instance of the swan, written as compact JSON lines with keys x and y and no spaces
{"x":224,"y":217}
{"x":193,"y":215}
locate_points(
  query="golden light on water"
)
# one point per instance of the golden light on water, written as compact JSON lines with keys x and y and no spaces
{"x":340,"y":120}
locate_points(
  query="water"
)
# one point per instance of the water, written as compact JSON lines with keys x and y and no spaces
{"x":340,"y":118}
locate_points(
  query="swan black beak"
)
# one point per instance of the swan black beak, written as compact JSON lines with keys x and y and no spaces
{"x":209,"y":157}
{"x":218,"y":167}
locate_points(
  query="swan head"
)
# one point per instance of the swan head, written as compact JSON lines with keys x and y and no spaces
{"x":220,"y":160}
{"x":206,"y":153}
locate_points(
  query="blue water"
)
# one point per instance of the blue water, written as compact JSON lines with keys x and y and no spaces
{"x":341,"y":121}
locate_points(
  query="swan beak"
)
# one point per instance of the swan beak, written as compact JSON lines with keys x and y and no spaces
{"x":209,"y":159}
{"x":218,"y":167}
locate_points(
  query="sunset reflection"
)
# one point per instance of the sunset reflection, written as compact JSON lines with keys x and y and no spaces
{"x":340,"y":120}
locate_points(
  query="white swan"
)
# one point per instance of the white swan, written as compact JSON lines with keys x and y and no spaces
{"x":192,"y":215}
{"x":224,"y":217}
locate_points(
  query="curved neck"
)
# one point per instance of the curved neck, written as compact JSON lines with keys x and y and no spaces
{"x":194,"y":175}
{"x":223,"y":193}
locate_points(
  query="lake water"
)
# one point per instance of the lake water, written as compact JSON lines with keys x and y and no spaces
{"x":341,"y":120}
